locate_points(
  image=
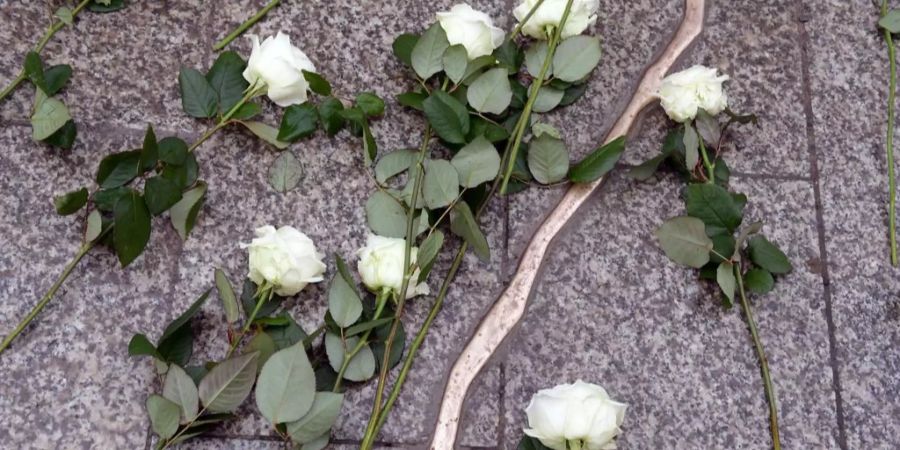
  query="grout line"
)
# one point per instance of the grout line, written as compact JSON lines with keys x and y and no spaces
{"x":148,"y":438}
{"x":501,"y":408}
{"x":738,"y":174}
{"x":802,"y":18}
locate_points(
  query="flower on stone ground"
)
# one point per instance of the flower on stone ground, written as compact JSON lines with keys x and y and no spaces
{"x":582,"y":14}
{"x":381,"y":266}
{"x":579,"y":415}
{"x":284,"y":258}
{"x":472,"y":29}
{"x":277,"y":66}
{"x":684,"y":93}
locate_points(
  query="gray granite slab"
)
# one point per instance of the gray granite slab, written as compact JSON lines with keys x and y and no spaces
{"x":848,"y":92}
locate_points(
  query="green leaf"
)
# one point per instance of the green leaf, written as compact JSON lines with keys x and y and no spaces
{"x":573,"y":93}
{"x":132,"y":230}
{"x":441,"y":185}
{"x":455,"y":60}
{"x":285,"y":173}
{"x":180,"y":389}
{"x":490,"y":92}
{"x":185,"y":174}
{"x":249,"y":300}
{"x":491,"y":131}
{"x":105,"y":199}
{"x":50,"y":115}
{"x":370,"y":104}
{"x":317,"y":83}
{"x":264,"y":344}
{"x":646,"y":169}
{"x":226,"y":386}
{"x":356,"y":116}
{"x":330,"y":115}
{"x":691,"y":147}
{"x":226,"y":77}
{"x":226,"y":294}
{"x":164,"y":416}
{"x":448,"y":116}
{"x":476,"y":163}
{"x":299,"y":121}
{"x":547,"y":99}
{"x":247,"y":111}
{"x":708,"y":127}
{"x":759,"y":281}
{"x":414,"y":100}
{"x":366,"y":326}
{"x":473,"y":68}
{"x":576,"y":57}
{"x":891,"y":21}
{"x":198,"y":98}
{"x":70,"y":202}
{"x":343,"y":302}
{"x":598,"y":163}
{"x":105,"y":6}
{"x":530,"y":443}
{"x":685,"y":241}
{"x":139,"y":345}
{"x":428,"y":252}
{"x":318,"y":420}
{"x":287,"y":386}
{"x":266,"y":133}
{"x":56,"y":78}
{"x":464,"y":225}
{"x":94,"y":226}
{"x":184,"y":213}
{"x":64,"y":14}
{"x":385,"y":215}
{"x":160,"y":194}
{"x":394,"y":163}
{"x":725,"y":279}
{"x":119,"y":169}
{"x":34,"y":71}
{"x":64,"y":137}
{"x":406,"y":194}
{"x":185,"y":317}
{"x":149,"y":151}
{"x":381,"y":335}
{"x":535,"y":55}
{"x":509,"y":56}
{"x":548,"y":159}
{"x":403,"y":47}
{"x":173,"y":150}
{"x":427,"y":55}
{"x":714,"y":206}
{"x":360,"y":368}
{"x":768,"y":256}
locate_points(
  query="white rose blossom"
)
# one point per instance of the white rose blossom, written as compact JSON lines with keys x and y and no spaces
{"x":472,"y":29}
{"x":381,"y":266}
{"x":683,"y":94}
{"x":575,"y":416}
{"x":284,"y":258}
{"x":277,"y":66}
{"x":582,"y":14}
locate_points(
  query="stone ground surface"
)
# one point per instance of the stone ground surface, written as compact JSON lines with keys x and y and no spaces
{"x":609,"y":307}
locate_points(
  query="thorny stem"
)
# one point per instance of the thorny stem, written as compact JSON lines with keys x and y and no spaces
{"x":763,"y":362}
{"x":246,"y":25}
{"x":51,"y":30}
{"x":889,"y":144}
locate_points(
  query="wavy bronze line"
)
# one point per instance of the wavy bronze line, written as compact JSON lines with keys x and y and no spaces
{"x":508,"y":310}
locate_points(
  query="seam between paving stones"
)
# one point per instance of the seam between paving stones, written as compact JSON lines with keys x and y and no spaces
{"x":803,"y":17}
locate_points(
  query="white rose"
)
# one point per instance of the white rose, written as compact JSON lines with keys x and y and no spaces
{"x":582,"y":15}
{"x":472,"y":29}
{"x":276,"y":65}
{"x":285,"y":258}
{"x":381,"y":266}
{"x":684,"y":93}
{"x":580,"y":415}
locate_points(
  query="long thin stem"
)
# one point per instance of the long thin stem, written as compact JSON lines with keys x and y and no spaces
{"x":710,"y":166}
{"x":536,"y":85}
{"x":763,"y":362}
{"x":51,"y":31}
{"x":265,"y":295}
{"x":889,"y":144}
{"x":244,"y":26}
{"x":48,"y":296}
{"x":380,"y":302}
{"x":524,"y":20}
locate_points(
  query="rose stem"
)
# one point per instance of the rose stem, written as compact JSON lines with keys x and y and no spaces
{"x":51,"y":30}
{"x":763,"y":361}
{"x":536,"y":85}
{"x":889,"y":145}
{"x":381,"y":301}
{"x":244,"y":26}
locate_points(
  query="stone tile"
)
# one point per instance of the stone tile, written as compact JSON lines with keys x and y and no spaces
{"x":756,"y":44}
{"x":611,"y":309}
{"x":480,"y":424}
{"x":125,"y":64}
{"x":849,"y":88}
{"x":68,"y":379}
{"x":232,"y":443}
